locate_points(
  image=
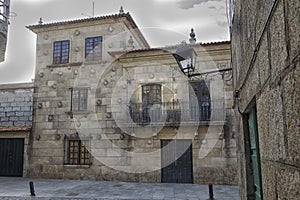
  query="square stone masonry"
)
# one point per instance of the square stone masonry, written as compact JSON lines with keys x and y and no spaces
{"x":279,"y":54}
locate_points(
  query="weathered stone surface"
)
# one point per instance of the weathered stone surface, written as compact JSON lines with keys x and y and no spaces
{"x":276,"y":98}
{"x":269,"y":181}
{"x":288,"y":183}
{"x":278,"y":38}
{"x":291,"y":97}
{"x":16,"y":108}
{"x":293,"y":20}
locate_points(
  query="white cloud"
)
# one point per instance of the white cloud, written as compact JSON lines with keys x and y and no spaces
{"x":187,"y":4}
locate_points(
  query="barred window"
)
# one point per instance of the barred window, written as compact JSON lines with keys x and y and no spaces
{"x":151,"y":94}
{"x":200,"y":94}
{"x":78,"y":152}
{"x":79,"y":99}
{"x":93,"y":48}
{"x":61,"y":52}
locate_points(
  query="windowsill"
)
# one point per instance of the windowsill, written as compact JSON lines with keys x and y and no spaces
{"x":65,"y":65}
{"x":77,"y":166}
{"x":72,"y":113}
{"x":93,"y":62}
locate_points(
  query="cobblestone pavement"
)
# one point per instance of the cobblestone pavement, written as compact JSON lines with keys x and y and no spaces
{"x":46,"y":189}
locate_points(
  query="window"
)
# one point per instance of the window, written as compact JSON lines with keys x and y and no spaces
{"x":151,"y":94}
{"x":200,"y":95}
{"x":79,"y":99}
{"x":93,"y":48}
{"x":78,"y":152}
{"x":151,"y":109}
{"x":61,"y":52}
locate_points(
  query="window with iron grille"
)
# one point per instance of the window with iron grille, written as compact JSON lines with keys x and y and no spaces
{"x":151,"y":94}
{"x":93,"y":48}
{"x":79,"y":99}
{"x":78,"y":152}
{"x":61,"y":52}
{"x":200,"y":102}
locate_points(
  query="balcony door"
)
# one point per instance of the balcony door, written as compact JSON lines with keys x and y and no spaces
{"x":199,"y":94}
{"x":151,"y":103}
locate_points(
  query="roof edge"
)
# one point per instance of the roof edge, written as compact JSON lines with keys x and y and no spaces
{"x":13,"y":86}
{"x":115,"y":53}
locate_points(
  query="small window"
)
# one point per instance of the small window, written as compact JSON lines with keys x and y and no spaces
{"x":78,"y":152}
{"x":61,"y":52}
{"x":79,"y":99}
{"x":93,"y":48}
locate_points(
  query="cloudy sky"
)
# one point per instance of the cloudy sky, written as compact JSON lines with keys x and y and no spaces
{"x":163,"y":22}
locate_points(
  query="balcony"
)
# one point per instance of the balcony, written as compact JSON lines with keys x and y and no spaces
{"x":175,"y":113}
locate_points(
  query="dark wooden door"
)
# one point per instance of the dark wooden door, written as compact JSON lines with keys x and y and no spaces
{"x":11,"y":157}
{"x":177,"y":165}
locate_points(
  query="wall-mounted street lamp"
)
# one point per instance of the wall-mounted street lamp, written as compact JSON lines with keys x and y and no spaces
{"x":186,"y":58}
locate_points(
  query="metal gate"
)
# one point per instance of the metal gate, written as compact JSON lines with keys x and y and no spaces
{"x":11,"y":157}
{"x":177,"y":165}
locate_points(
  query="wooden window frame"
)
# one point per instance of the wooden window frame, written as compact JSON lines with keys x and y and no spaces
{"x":61,"y":52}
{"x":79,"y":156}
{"x":92,"y":53}
{"x":82,"y":101}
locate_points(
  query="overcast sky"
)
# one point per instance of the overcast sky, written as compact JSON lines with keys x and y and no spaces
{"x":163,"y":22}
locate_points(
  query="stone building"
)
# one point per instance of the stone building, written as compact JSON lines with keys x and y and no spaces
{"x":16,"y":106}
{"x":265,"y":49}
{"x":4,"y":14}
{"x":109,"y":107}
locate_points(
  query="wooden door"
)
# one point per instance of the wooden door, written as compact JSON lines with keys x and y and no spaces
{"x":11,"y":157}
{"x":177,"y":165}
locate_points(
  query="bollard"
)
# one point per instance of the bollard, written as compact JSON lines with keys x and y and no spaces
{"x":211,"y":192}
{"x":31,"y":188}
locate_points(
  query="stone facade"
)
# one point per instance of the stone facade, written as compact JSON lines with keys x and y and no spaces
{"x":109,"y":122}
{"x":265,"y":49}
{"x":16,"y":108}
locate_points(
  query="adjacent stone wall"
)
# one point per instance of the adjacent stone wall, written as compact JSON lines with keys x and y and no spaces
{"x":16,"y":109}
{"x":265,"y":47}
{"x":16,"y":104}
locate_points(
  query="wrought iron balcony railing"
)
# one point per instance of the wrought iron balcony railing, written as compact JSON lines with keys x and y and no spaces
{"x":177,"y":112}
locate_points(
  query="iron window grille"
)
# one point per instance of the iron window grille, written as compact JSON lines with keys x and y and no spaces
{"x":78,"y":152}
{"x":79,"y":98}
{"x":93,"y":48}
{"x":151,"y":96}
{"x":61,"y":51}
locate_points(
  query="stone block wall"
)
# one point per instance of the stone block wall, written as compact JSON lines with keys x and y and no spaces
{"x":121,"y":150}
{"x":265,"y":47}
{"x":16,"y":105}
